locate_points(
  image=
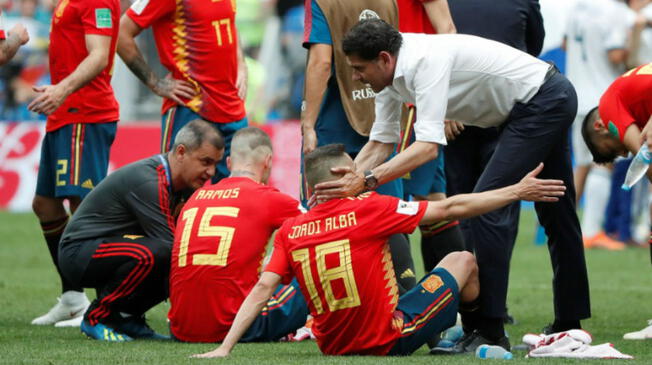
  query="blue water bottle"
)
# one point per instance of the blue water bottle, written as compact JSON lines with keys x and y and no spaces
{"x":492,"y":352}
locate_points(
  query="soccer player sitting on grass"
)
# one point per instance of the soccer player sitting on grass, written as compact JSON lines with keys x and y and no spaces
{"x":219,"y":247}
{"x":119,"y":241}
{"x":339,"y":254}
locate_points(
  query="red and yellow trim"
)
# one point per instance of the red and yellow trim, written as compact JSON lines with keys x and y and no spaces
{"x":76,"y":150}
{"x":180,"y":52}
{"x":432,"y":310}
{"x":278,"y":300}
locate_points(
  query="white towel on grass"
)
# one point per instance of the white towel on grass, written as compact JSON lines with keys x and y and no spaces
{"x":571,"y":344}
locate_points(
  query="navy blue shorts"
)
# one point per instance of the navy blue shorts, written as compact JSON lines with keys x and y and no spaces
{"x":285,"y":312}
{"x":428,"y":308}
{"x":178,"y":116}
{"x":428,"y":178}
{"x":74,"y":159}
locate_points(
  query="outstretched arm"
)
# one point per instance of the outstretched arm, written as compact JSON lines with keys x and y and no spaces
{"x":470,"y":205}
{"x":248,"y":312}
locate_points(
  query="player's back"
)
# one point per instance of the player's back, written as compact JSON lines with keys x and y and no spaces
{"x":218,"y":252}
{"x":339,"y":253}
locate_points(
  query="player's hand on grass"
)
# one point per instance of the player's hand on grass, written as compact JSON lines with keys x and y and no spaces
{"x":309,"y":140}
{"x":174,"y":89}
{"x":539,"y":190}
{"x":350,"y":184}
{"x":218,"y":352}
{"x":49,"y":100}
{"x":452,"y":129}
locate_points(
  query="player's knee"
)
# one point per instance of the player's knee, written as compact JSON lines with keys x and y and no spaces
{"x":463,"y":263}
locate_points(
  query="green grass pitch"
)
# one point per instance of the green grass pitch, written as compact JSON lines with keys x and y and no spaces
{"x":621,"y":290}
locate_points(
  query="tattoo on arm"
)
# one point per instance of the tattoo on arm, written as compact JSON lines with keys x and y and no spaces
{"x":141,"y":69}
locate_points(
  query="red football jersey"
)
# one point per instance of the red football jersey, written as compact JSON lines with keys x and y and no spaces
{"x":71,"y":21}
{"x":218,"y":250}
{"x":197,"y":42}
{"x":339,"y":253}
{"x":627,"y":101}
{"x":412,"y":17}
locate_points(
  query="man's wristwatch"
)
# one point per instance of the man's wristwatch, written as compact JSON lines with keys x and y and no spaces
{"x":370,"y":181}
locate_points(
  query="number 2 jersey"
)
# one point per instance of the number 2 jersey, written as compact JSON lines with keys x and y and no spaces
{"x":218,"y":251}
{"x":197,"y":42}
{"x":339,"y":253}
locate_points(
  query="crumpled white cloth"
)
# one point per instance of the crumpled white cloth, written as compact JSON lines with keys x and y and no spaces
{"x":571,"y":344}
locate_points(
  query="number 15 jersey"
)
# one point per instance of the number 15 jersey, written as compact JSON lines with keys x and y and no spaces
{"x":340,"y":256}
{"x":218,"y":251}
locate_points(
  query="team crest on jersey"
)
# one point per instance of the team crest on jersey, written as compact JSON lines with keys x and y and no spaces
{"x":367,"y":14}
{"x":432,"y":283}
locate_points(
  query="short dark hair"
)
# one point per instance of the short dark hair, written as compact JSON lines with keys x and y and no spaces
{"x":195,"y":133}
{"x":370,"y":37}
{"x":318,"y":163}
{"x":588,"y":133}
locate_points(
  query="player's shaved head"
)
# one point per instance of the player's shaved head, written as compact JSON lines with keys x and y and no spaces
{"x":319,"y":162}
{"x":195,"y":133}
{"x":250,"y":144}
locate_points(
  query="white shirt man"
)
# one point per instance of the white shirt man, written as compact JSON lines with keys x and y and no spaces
{"x":476,"y":82}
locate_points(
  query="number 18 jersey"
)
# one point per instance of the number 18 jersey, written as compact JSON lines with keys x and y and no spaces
{"x":340,"y":256}
{"x":218,"y":251}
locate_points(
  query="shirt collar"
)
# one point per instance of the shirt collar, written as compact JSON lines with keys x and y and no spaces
{"x":400,"y":61}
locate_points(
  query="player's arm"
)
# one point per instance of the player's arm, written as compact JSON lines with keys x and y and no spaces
{"x":439,"y":15}
{"x":243,"y":73}
{"x":247,"y":313}
{"x":52,"y":96}
{"x":132,"y":56}
{"x":318,"y":71}
{"x":469,"y":205}
{"x":9,"y":46}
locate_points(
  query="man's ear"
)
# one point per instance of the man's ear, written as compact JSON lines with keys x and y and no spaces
{"x":228,"y":162}
{"x":268,"y":161}
{"x":385,"y":57}
{"x":599,"y":127}
{"x":180,"y":151}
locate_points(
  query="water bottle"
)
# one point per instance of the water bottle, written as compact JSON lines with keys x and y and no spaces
{"x":638,"y":167}
{"x":492,"y":352}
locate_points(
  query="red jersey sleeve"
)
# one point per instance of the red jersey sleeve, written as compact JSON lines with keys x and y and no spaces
{"x":393,"y":215}
{"x":614,"y":114}
{"x":97,"y":17}
{"x":279,"y":263}
{"x":146,"y":12}
{"x":281,"y":207}
{"x":3,"y":35}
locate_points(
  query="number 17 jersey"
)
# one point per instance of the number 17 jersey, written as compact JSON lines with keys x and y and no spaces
{"x":340,"y":256}
{"x":218,"y":251}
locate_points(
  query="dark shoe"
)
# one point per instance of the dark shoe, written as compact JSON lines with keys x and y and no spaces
{"x":137,"y":327}
{"x":458,"y":348}
{"x":469,"y":343}
{"x":547,"y":329}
